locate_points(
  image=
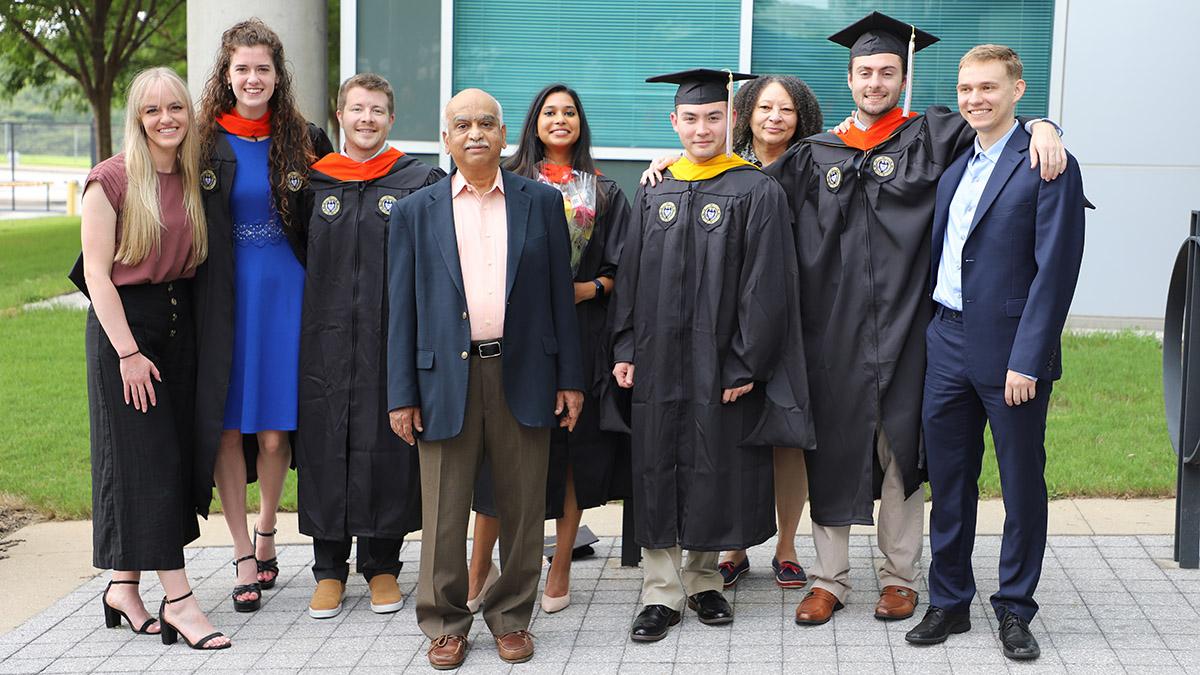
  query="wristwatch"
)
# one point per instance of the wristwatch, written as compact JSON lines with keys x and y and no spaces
{"x":599,"y":289}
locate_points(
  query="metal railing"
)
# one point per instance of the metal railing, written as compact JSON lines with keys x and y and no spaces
{"x":1181,"y":392}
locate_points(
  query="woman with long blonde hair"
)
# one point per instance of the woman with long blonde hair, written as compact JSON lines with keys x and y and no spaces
{"x":144,"y":232}
{"x":255,"y":150}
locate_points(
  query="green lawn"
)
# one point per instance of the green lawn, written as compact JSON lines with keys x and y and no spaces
{"x":44,"y":456}
{"x":35,"y":256}
{"x":1106,"y":432}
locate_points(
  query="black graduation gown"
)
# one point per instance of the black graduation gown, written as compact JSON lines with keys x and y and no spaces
{"x":705,"y":301}
{"x":355,"y":476}
{"x":863,"y":222}
{"x":214,"y":302}
{"x":599,"y":459}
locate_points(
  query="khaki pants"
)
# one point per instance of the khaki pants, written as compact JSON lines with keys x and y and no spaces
{"x":519,"y":456}
{"x":900,"y":531}
{"x":666,"y":580}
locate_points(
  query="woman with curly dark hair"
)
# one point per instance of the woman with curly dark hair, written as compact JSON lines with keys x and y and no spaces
{"x":255,"y":151}
{"x":586,"y":464}
{"x":773,"y":112}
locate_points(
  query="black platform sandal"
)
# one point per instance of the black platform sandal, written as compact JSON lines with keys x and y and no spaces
{"x":242,"y":589}
{"x":113,"y":616}
{"x":170,"y":634}
{"x":271,"y":565}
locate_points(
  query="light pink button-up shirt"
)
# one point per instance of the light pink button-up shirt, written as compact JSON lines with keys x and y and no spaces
{"x":481,"y":228}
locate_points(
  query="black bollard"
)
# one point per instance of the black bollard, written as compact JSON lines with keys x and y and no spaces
{"x":1181,"y":392}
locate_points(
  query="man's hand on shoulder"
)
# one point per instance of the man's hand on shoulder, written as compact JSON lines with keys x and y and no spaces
{"x":571,"y":401}
{"x":1046,"y":148}
{"x":404,"y":421}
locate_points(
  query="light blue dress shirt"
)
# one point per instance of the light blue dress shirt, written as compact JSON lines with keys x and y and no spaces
{"x":948,"y":289}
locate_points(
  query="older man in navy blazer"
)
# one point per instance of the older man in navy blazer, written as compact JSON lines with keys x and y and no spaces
{"x":1005,"y":258}
{"x":483,"y":356}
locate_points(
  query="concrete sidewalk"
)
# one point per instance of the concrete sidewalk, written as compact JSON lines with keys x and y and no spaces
{"x":58,"y":554}
{"x":1109,"y":605}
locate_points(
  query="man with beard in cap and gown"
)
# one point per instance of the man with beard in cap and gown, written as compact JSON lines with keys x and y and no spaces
{"x":707,"y":335}
{"x":356,"y":477}
{"x":862,"y":203}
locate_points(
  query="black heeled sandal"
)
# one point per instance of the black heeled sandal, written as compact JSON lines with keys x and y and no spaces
{"x":170,"y":634}
{"x":271,"y":565}
{"x":242,"y":589}
{"x":113,"y":616}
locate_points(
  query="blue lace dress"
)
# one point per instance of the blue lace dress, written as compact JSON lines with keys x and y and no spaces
{"x":269,"y":290}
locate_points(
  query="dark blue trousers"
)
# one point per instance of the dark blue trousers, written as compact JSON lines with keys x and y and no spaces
{"x":955,"y":410}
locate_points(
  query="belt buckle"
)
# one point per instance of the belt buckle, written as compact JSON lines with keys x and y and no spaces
{"x":488,"y":350}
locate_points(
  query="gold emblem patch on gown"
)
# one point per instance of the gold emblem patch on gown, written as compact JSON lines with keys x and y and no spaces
{"x":208,"y":179}
{"x":833,"y":178}
{"x":710,"y":214}
{"x":386,"y":203}
{"x":331,"y":206}
{"x":883,"y":166}
{"x":295,"y":181}
{"x":666,"y":212}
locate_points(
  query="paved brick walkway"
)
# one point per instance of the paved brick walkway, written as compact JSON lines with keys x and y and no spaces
{"x":1109,"y":604}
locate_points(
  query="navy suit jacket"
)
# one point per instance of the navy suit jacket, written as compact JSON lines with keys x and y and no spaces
{"x":429,"y":331}
{"x":1019,"y":264}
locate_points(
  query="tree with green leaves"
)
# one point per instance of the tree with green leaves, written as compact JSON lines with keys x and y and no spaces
{"x":99,"y":44}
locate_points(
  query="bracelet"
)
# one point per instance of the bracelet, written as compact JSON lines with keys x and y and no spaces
{"x":134,"y":352}
{"x":599,"y":289}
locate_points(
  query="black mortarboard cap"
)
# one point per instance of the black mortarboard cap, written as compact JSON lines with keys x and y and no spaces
{"x":701,"y":85}
{"x":878,"y":33}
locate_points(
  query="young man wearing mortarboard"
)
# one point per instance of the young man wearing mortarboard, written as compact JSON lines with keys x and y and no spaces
{"x":707,"y":314}
{"x":862,"y":203}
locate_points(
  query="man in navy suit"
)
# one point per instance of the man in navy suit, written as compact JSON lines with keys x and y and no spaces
{"x":1006,"y":253}
{"x":483,"y":356}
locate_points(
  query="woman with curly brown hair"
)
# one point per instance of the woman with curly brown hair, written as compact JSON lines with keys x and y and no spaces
{"x":255,"y":149}
{"x":772,"y":113}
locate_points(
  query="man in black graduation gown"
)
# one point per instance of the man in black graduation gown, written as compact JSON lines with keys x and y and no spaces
{"x":706,"y":333}
{"x":862,"y":203}
{"x":356,"y":478}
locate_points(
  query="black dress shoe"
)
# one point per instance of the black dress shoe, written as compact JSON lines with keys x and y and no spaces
{"x":937,"y":625}
{"x":1016,"y":639}
{"x":711,"y":608}
{"x":652,"y":623}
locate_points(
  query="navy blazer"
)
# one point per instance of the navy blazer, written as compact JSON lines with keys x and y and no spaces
{"x":1019,"y":264}
{"x":429,"y":331}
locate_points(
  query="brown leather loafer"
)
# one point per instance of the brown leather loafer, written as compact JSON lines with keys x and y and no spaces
{"x":447,"y":652}
{"x":817,"y":607}
{"x":515,"y":647}
{"x":896,"y":602}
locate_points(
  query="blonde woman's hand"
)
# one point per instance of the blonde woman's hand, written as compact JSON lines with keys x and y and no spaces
{"x":137,"y":378}
{"x":653,"y":175}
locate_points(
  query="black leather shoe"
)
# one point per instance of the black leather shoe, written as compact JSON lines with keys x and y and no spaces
{"x":711,"y":608}
{"x":1016,"y":639}
{"x":652,"y":623}
{"x":937,"y":625}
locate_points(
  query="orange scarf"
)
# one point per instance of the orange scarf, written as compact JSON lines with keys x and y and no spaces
{"x":879,"y":131}
{"x":240,"y":126}
{"x":341,"y":167}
